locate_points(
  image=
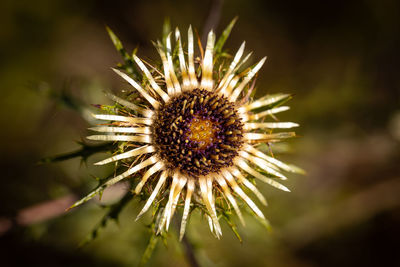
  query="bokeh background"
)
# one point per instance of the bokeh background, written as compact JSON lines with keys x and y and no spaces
{"x":340,"y":60}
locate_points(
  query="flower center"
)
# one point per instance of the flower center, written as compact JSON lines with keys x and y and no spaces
{"x":197,"y":132}
{"x":201,"y":131}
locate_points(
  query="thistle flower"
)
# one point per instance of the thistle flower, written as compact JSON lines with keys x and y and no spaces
{"x":193,"y":134}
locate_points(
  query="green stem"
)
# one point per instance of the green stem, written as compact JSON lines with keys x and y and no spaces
{"x":188,"y":247}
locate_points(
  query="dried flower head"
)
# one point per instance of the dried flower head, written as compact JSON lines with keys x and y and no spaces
{"x":192,"y":134}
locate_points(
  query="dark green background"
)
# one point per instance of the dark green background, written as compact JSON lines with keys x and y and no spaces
{"x":339,"y":58}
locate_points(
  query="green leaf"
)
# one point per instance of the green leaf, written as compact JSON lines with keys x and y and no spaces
{"x":128,"y":65}
{"x":232,"y":225}
{"x":134,"y":52}
{"x":149,"y":249}
{"x":112,"y":214}
{"x":98,"y":190}
{"x":224,"y":36}
{"x":118,"y":45}
{"x":166,"y":30}
{"x":85,"y":152}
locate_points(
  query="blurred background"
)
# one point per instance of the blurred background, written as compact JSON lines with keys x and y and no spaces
{"x":339,"y":59}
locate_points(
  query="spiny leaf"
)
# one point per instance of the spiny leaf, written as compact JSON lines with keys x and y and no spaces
{"x":166,"y":30}
{"x":112,"y":214}
{"x":110,"y":109}
{"x":232,"y":225}
{"x":128,"y":65}
{"x":97,"y":191}
{"x":88,"y":197}
{"x":224,"y":36}
{"x":117,"y":43}
{"x":62,"y":97}
{"x":134,"y":51}
{"x":84,"y":152}
{"x":149,"y":249}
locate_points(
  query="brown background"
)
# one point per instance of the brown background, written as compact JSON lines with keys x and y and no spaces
{"x":339,"y":58}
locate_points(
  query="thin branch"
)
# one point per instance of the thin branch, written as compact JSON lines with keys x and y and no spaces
{"x":188,"y":247}
{"x":189,"y":252}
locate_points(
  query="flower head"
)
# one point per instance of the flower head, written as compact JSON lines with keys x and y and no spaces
{"x":193,"y":133}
